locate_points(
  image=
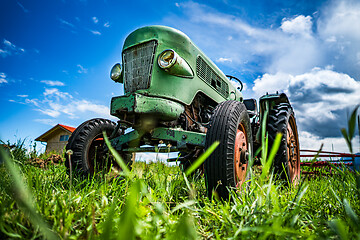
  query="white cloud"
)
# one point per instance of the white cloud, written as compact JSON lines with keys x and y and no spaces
{"x":314,"y":142}
{"x":63,"y":105}
{"x":321,"y":98}
{"x":73,"y":108}
{"x":23,"y":96}
{"x":9,"y":49}
{"x":107,"y":24}
{"x":331,"y":39}
{"x":299,"y":25}
{"x":9,"y":44}
{"x":34,"y":102}
{"x":46,"y":121}
{"x":271,"y":83}
{"x":3,"y":53}
{"x":3,"y":78}
{"x":53,"y":83}
{"x":315,"y":63}
{"x":95,"y":20}
{"x":50,"y":112}
{"x":267,"y":50}
{"x":238,"y":85}
{"x":342,"y":19}
{"x":54,"y":92}
{"x":86,"y":106}
{"x":224,"y":60}
{"x":66,"y":23}
{"x":95,"y":32}
{"x":339,"y":28}
{"x":82,"y":69}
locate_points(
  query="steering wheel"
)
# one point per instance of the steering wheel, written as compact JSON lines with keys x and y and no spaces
{"x":232,"y":77}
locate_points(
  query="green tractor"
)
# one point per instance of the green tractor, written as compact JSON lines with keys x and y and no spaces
{"x":177,"y":100}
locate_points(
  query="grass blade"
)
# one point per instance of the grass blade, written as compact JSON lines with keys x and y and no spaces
{"x":185,"y":229}
{"x":117,"y":156}
{"x":338,"y":226}
{"x":197,"y":163}
{"x":273,"y":151}
{"x":24,"y":197}
{"x":347,"y":139}
{"x":352,"y":122}
{"x":352,"y":215}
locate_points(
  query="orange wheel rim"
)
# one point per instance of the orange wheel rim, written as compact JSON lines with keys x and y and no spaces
{"x":240,"y":155}
{"x":293,"y":151}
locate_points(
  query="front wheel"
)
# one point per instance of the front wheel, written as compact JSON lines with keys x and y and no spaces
{"x":287,"y":159}
{"x":227,"y":166}
{"x":87,"y":143}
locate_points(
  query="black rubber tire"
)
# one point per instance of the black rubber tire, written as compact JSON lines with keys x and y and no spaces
{"x":83,"y":141}
{"x":279,"y":117}
{"x":220,"y":166}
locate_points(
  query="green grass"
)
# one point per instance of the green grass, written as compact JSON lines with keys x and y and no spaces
{"x":158,"y":201}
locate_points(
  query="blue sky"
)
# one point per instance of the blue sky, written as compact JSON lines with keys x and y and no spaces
{"x":55,"y":57}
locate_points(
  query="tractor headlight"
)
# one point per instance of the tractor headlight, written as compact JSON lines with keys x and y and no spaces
{"x":173,"y":64}
{"x":116,"y":73}
{"x":167,"y":58}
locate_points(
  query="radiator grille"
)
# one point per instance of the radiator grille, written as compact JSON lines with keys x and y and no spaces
{"x":138,"y":62}
{"x":205,"y":73}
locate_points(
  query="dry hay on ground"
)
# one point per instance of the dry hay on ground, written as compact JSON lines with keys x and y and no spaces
{"x":42,"y":163}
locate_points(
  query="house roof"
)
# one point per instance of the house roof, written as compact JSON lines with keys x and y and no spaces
{"x":71,"y":129}
{"x":45,"y":136}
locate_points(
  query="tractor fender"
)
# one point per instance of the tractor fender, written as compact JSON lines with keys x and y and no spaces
{"x":273,"y":99}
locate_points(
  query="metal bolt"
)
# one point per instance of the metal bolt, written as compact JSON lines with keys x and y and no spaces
{"x":184,"y":136}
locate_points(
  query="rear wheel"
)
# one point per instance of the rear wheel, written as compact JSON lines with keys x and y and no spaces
{"x":227,"y":166}
{"x":287,"y":160}
{"x":88,"y":146}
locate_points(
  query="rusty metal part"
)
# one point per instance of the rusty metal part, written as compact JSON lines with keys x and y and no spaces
{"x":192,"y":114}
{"x":138,"y":104}
{"x":324,"y":166}
{"x":183,"y":139}
{"x":152,"y":149}
{"x":240,"y":155}
{"x":293,"y":152}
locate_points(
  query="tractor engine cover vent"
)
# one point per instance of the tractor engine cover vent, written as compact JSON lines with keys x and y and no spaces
{"x":205,"y":73}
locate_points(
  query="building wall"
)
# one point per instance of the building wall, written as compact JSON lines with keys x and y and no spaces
{"x":54,"y":144}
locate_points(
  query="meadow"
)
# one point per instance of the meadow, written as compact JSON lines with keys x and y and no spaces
{"x":158,"y":201}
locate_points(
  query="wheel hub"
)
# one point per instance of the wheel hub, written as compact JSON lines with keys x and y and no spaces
{"x":241,"y":155}
{"x":292,"y":150}
{"x":244,"y":156}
